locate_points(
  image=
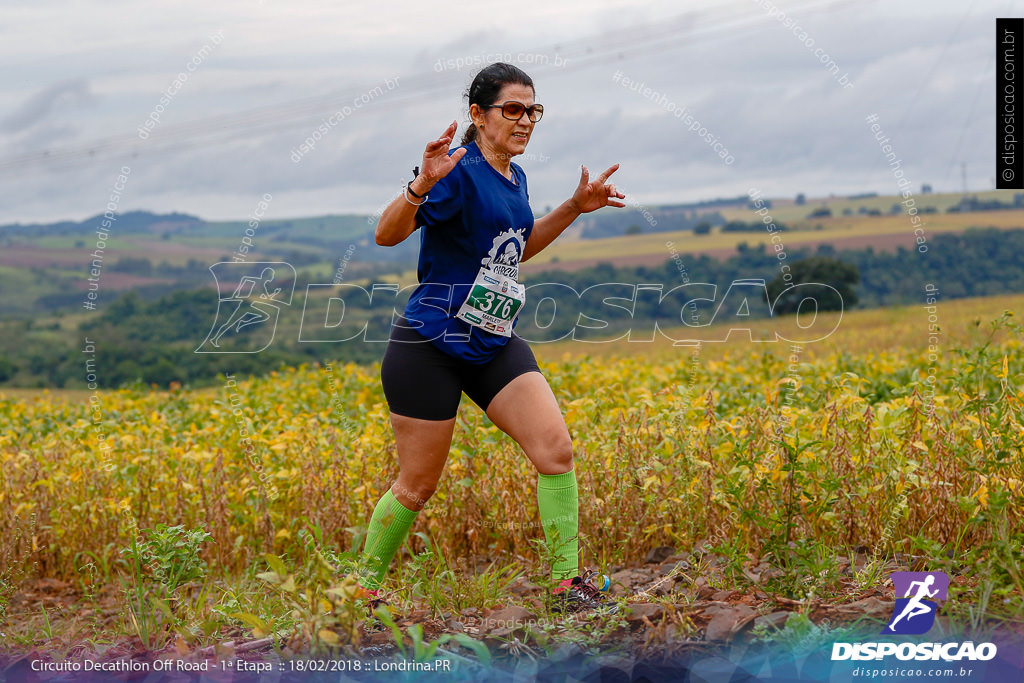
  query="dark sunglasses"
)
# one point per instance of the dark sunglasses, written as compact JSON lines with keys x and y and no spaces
{"x":514,"y":110}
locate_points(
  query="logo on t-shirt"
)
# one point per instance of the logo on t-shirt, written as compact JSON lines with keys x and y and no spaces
{"x":507,"y":249}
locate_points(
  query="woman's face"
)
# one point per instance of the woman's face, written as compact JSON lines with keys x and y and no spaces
{"x":498,"y":134}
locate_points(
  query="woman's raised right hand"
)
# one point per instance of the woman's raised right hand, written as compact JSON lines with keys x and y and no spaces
{"x":436,"y":163}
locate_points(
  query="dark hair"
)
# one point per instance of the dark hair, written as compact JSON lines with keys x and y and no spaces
{"x":487,"y":84}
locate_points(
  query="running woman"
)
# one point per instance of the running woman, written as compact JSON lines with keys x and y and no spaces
{"x":473,"y":209}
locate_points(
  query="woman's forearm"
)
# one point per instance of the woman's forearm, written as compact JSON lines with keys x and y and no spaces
{"x":546,"y":229}
{"x":398,"y":220}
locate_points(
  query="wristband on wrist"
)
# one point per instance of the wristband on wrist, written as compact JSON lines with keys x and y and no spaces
{"x":415,"y":175}
{"x":407,"y":191}
{"x":413,"y":192}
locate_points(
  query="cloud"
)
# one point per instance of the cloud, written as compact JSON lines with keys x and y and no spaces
{"x":38,"y":106}
{"x":762,"y":92}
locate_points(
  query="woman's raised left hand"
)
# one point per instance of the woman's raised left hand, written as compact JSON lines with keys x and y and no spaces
{"x":592,"y":195}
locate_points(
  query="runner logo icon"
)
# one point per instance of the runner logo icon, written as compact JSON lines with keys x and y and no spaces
{"x":247,"y":312}
{"x":914,"y":612}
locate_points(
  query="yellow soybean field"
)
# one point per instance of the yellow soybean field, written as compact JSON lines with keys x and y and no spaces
{"x":742,"y":446}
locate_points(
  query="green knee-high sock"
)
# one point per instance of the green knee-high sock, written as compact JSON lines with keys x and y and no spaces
{"x":558,"y":501}
{"x":389,"y":525}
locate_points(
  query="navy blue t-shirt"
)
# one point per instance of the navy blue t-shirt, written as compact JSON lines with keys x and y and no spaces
{"x":473,"y":216}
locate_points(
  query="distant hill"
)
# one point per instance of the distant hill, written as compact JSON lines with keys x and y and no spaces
{"x":128,"y":222}
{"x":45,"y":267}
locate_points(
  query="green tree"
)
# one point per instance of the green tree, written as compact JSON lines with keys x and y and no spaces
{"x":814,"y":273}
{"x":126,"y":372}
{"x":7,"y":369}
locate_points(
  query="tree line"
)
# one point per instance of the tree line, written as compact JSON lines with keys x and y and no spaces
{"x":154,"y":342}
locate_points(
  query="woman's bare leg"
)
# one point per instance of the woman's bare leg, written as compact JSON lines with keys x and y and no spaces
{"x":526,"y":410}
{"x":423,"y":447}
{"x":422,"y":451}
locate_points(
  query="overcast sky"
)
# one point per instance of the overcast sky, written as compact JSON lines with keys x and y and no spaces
{"x":79,"y":79}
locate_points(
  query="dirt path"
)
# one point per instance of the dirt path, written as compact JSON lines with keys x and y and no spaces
{"x":675,"y":603}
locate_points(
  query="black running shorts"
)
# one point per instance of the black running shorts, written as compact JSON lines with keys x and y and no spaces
{"x":422,"y":381}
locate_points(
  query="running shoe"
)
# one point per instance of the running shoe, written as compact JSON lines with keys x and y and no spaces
{"x":374,"y":599}
{"x":579,"y":593}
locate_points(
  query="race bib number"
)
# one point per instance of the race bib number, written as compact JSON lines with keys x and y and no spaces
{"x":493,"y":302}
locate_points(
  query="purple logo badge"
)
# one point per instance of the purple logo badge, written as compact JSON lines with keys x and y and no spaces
{"x":917,"y":598}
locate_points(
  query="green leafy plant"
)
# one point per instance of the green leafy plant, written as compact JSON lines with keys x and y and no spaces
{"x":871,"y":575}
{"x":423,"y":650}
{"x":324,"y":610}
{"x":171,"y":554}
{"x":433,"y":578}
{"x":158,"y":567}
{"x":6,"y":590}
{"x":549,"y":555}
{"x":798,"y":634}
{"x":137,"y":590}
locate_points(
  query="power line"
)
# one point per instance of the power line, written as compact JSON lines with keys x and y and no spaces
{"x":650,"y":38}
